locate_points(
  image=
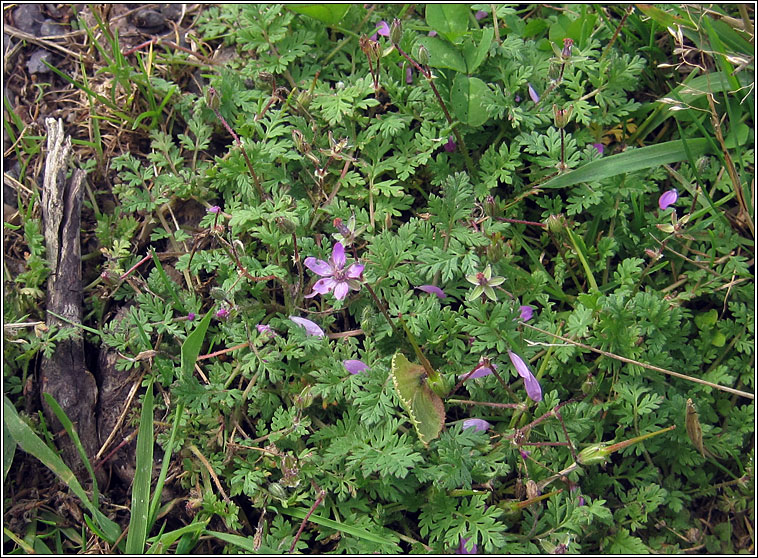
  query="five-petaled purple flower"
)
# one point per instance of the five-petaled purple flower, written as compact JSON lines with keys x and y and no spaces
{"x":214,"y":209}
{"x":222,"y":313}
{"x":668,"y":198}
{"x":191,"y":316}
{"x":335,"y":277}
{"x":476,"y":424}
{"x":599,"y":146}
{"x":533,"y":389}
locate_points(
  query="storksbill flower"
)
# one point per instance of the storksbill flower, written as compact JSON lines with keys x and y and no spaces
{"x":335,"y":277}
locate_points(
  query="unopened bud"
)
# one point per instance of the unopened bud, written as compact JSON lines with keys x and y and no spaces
{"x":304,"y":399}
{"x":567,"y":44}
{"x":285,"y":225}
{"x":304,"y":99}
{"x":299,"y":139}
{"x":218,"y":294}
{"x":396,"y":31}
{"x":556,"y":223}
{"x":277,"y":491}
{"x":422,"y":55}
{"x":212,"y":98}
{"x":562,"y":116}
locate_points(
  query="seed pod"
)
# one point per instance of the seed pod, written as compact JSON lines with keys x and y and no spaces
{"x":692,"y":423}
{"x":396,"y":31}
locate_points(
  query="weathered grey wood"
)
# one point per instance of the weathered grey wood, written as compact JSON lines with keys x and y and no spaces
{"x":64,"y":374}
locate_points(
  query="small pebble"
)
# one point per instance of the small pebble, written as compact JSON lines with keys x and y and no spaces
{"x":28,"y":18}
{"x":35,"y":65}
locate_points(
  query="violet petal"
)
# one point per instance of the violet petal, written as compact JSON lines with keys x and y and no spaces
{"x":431,"y":289}
{"x":600,"y":147}
{"x":533,"y":93}
{"x":478,"y":424}
{"x":668,"y":198}
{"x":383,"y":28}
{"x":480,"y":372}
{"x":480,"y":14}
{"x":526,"y":313}
{"x":323,"y":286}
{"x":319,"y":267}
{"x":462,"y":547}
{"x":341,"y":289}
{"x":355,"y":366}
{"x":310,"y":327}
{"x":533,"y":389}
{"x":354,"y":271}
{"x":338,"y":255}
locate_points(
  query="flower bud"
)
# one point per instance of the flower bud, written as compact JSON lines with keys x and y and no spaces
{"x":277,"y":491}
{"x":218,"y":294}
{"x":396,"y":31}
{"x":304,"y":99}
{"x":285,"y":225}
{"x":299,"y":139}
{"x":593,"y":455}
{"x":556,"y":224}
{"x":212,"y":98}
{"x":440,"y":386}
{"x":567,"y":44}
{"x":422,"y":55}
{"x":562,"y":116}
{"x":304,"y":399}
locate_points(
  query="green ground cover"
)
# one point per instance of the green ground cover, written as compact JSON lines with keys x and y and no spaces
{"x":396,"y":279}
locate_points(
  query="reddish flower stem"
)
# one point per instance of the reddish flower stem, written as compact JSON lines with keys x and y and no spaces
{"x":305,"y":520}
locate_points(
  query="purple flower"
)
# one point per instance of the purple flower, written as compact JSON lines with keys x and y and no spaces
{"x":214,"y":209}
{"x":533,"y":389}
{"x":222,"y":313}
{"x":310,"y":327}
{"x":599,"y":146}
{"x":480,"y":14}
{"x":484,"y":368}
{"x":668,"y":198}
{"x":383,"y":29}
{"x":526,"y":313}
{"x":431,"y":289}
{"x":462,"y":547}
{"x":477,"y":424}
{"x":450,"y":145}
{"x":335,"y":277}
{"x":432,"y":33}
{"x":533,"y":93}
{"x":580,"y":501}
{"x":524,"y":453}
{"x":191,"y":316}
{"x":355,"y":366}
{"x":409,"y":75}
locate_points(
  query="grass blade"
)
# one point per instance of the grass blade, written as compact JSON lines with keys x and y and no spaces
{"x":135,"y":539}
{"x":32,"y":444}
{"x":300,"y":513}
{"x":74,"y":436}
{"x":629,"y":161}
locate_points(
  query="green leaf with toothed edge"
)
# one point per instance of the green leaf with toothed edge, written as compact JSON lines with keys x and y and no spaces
{"x":424,"y":407}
